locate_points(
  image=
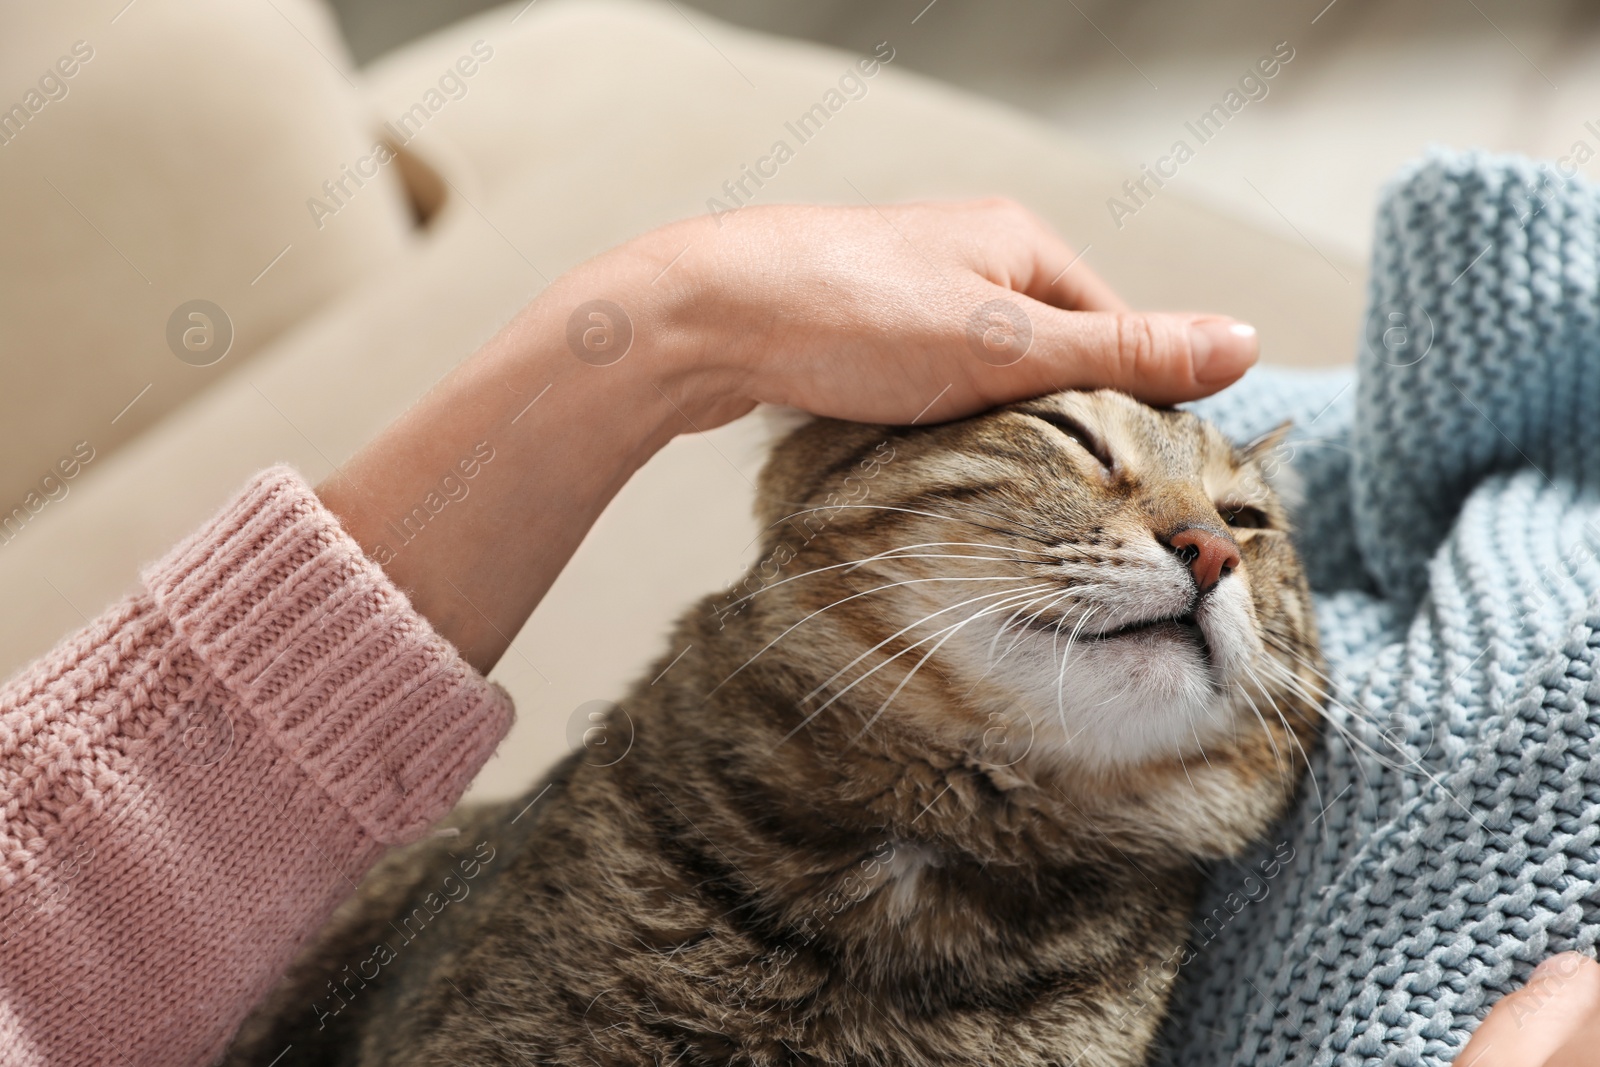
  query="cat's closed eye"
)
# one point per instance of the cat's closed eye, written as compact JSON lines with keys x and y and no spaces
{"x":1075,"y":430}
{"x":1244,"y":517}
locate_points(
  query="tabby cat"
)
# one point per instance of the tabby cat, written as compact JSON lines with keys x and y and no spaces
{"x":930,"y":787}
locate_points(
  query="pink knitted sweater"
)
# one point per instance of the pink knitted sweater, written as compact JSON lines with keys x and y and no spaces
{"x":193,"y":781}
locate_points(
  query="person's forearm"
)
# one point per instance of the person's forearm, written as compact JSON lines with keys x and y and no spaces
{"x":242,"y":735}
{"x":475,"y":499}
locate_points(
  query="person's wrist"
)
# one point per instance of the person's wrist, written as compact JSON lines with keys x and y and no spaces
{"x":564,"y":425}
{"x":698,"y":344}
{"x":639,"y":325}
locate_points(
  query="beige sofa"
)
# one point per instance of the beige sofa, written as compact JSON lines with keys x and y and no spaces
{"x":186,"y":159}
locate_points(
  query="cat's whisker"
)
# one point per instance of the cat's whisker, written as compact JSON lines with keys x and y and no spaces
{"x":982,"y":544}
{"x":1301,"y":660}
{"x":1061,"y":677}
{"x":1040,"y":534}
{"x":1078,"y":589}
{"x":1262,"y":719}
{"x":1200,"y":747}
{"x":1296,"y":688}
{"x":1044,"y":536}
{"x":1350,"y":738}
{"x":888,"y":553}
{"x":1289,"y":730}
{"x":1048,"y":536}
{"x":1316,"y":787}
{"x":1050,"y":601}
{"x":1327,"y":697}
{"x":1416,"y":763}
{"x":1185,"y":763}
{"x":1327,"y":700}
{"x":952,"y":631}
{"x":1297,"y":656}
{"x":1012,"y":618}
{"x":853,"y":596}
{"x":886,"y":558}
{"x":948,"y":631}
{"x":867,"y":674}
{"x":1048,"y":557}
{"x":1364,"y":747}
{"x":1298,"y":659}
{"x":956,"y":629}
{"x":906,"y":629}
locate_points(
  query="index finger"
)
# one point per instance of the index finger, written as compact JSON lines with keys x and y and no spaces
{"x":1024,"y":254}
{"x":1060,"y":277}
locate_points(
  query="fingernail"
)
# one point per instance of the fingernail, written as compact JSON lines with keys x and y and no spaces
{"x":1221,"y":348}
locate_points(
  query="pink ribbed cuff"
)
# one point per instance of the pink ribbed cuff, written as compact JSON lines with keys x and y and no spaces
{"x":342,"y":673}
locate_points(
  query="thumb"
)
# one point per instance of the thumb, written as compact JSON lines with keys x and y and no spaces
{"x":1161,"y":358}
{"x":1158,"y":357}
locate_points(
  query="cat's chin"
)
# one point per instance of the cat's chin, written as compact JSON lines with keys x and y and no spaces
{"x":1144,"y":690}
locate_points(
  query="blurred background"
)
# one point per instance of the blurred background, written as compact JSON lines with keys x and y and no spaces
{"x":1375,"y":83}
{"x":229,"y":159}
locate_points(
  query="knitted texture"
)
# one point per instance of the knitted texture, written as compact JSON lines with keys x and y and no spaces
{"x":192,"y":782}
{"x":1449,"y":836}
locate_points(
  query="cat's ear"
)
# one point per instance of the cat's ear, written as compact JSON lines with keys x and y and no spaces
{"x":1261,"y":448}
{"x":1271,"y":453}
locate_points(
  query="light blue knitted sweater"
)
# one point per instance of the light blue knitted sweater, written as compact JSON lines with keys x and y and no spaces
{"x":1451,"y":529}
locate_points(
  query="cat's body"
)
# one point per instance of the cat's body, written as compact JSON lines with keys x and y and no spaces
{"x":833,"y":834}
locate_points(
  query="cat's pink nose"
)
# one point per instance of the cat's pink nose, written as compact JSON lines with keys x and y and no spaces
{"x":1209,"y":555}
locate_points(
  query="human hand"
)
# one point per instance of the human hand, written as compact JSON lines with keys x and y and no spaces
{"x":872,"y":313}
{"x":1553,"y":1021}
{"x":920,"y":312}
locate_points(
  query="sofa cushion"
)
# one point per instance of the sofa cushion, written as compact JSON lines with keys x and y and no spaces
{"x":155,"y":155}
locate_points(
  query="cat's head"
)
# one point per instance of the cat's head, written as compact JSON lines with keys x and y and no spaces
{"x":1078,"y":580}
